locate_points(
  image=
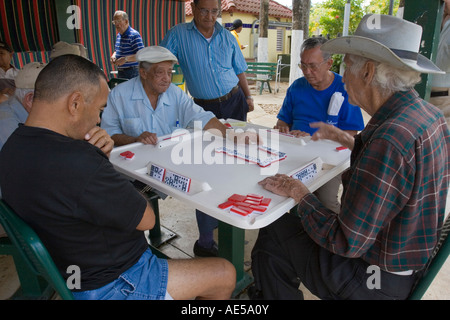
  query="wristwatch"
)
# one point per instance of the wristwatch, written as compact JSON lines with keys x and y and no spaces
{"x":249,"y":97}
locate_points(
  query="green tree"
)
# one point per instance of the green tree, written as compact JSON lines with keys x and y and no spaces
{"x":328,"y":16}
{"x":382,"y":7}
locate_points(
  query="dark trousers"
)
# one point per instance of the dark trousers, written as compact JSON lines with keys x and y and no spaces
{"x":235,"y":107}
{"x":285,"y":256}
{"x":128,"y":73}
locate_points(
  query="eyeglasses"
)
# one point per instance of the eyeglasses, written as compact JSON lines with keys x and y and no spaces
{"x":205,"y":12}
{"x":116,"y":22}
{"x":312,"y":66}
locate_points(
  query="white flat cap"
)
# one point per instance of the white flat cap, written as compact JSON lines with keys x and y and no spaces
{"x":155,"y":54}
{"x":26,"y":77}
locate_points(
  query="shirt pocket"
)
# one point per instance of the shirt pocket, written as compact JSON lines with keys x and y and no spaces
{"x":133,"y":127}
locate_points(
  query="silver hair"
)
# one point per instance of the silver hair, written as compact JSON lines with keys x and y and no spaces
{"x":387,"y":78}
{"x":123,"y":14}
{"x":21,"y":93}
{"x":315,"y":42}
{"x":145,"y":65}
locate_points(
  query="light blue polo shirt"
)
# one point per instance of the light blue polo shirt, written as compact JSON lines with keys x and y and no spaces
{"x":129,"y":111}
{"x":12,"y":113}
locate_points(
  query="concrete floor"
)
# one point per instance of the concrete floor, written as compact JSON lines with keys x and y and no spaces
{"x":176,"y":217}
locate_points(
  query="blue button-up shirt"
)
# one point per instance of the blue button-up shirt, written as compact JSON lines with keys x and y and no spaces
{"x":209,"y":67}
{"x":130,"y":112}
{"x":12,"y":113}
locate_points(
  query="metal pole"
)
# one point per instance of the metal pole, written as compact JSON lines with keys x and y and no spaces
{"x":391,"y":7}
{"x":346,"y":27}
{"x":347,"y":18}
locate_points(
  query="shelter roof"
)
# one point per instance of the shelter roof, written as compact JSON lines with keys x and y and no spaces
{"x":249,"y":6}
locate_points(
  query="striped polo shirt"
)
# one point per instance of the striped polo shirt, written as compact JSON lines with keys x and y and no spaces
{"x":210,"y":66}
{"x":127,"y":44}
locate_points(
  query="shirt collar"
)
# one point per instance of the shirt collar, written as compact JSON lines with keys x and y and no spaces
{"x":139,"y":94}
{"x":217,"y":27}
{"x":395,"y":102}
{"x":127,"y":32}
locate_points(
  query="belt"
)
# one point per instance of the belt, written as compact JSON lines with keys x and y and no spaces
{"x":403,"y":273}
{"x":439,"y":93}
{"x":220,"y":99}
{"x":133,"y":67}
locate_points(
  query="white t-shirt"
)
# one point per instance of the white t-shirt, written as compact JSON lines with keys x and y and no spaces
{"x":11,"y":73}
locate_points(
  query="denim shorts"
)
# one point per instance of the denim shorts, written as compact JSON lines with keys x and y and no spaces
{"x":146,"y":280}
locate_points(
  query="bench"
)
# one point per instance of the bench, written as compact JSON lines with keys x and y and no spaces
{"x":262,"y":72}
{"x":178,"y":77}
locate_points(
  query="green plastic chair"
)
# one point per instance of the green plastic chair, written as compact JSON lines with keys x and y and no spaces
{"x":178,"y":77}
{"x":34,"y":253}
{"x":438,"y":259}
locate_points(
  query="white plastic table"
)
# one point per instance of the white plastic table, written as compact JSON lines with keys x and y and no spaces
{"x":216,"y":176}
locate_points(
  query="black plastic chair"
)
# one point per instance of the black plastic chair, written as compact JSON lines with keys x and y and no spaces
{"x":114,"y":82}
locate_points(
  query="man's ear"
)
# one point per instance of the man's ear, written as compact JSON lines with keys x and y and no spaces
{"x":330,"y":63}
{"x":74,"y":103}
{"x":368,"y":72}
{"x":28,"y":101}
{"x":143,"y":73}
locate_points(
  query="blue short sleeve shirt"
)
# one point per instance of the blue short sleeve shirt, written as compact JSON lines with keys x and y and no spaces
{"x":210,"y":66}
{"x":303,"y":105}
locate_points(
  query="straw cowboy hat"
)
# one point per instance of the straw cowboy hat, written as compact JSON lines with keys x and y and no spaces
{"x":387,"y":39}
{"x":62,"y":48}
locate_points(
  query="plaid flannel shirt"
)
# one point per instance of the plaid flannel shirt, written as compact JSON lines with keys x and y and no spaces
{"x":393,"y":204}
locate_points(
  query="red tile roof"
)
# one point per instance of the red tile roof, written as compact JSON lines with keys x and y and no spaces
{"x":249,"y":6}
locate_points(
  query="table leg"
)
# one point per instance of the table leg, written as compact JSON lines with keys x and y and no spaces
{"x":231,"y":247}
{"x":159,"y":234}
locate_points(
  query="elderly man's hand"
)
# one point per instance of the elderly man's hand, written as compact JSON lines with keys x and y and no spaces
{"x":285,"y":186}
{"x":330,"y":132}
{"x":299,"y":133}
{"x":120,"y":62}
{"x":147,"y":138}
{"x":99,"y":138}
{"x":251,"y":105}
{"x":282,"y":128}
